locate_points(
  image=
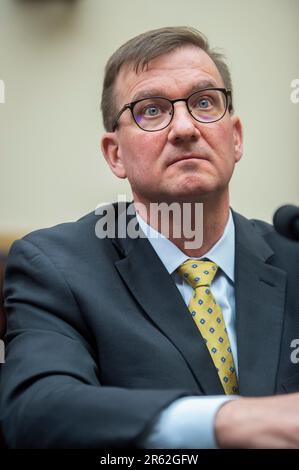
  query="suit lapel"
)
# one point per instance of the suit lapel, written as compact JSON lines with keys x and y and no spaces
{"x":260,"y":296}
{"x":154,"y":289}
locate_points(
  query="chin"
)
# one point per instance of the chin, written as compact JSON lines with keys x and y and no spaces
{"x":188,"y":195}
{"x":194,"y":187}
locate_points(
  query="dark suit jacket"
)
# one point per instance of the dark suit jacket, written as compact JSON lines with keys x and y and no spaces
{"x":100,"y":340}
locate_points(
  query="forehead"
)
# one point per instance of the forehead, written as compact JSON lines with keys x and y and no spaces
{"x":171,"y":75}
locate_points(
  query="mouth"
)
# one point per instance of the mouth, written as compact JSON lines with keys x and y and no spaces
{"x":183,"y":158}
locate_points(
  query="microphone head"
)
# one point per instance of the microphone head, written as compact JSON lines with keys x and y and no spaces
{"x":286,"y":221}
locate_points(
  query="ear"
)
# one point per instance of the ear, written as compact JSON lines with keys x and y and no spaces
{"x":111,"y":152}
{"x":238,"y":137}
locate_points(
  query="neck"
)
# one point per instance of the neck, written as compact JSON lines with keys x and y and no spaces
{"x":193,"y":227}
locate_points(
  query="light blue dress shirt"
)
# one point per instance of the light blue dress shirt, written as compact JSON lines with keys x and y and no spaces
{"x":189,"y":422}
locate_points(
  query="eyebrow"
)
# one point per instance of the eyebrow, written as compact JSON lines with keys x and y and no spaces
{"x":148,"y":93}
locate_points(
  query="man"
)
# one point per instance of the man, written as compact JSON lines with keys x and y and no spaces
{"x":114,"y":342}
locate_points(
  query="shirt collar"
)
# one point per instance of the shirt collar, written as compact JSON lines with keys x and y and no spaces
{"x":222,"y":253}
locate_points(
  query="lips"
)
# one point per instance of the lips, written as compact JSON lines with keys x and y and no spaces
{"x":187,"y":157}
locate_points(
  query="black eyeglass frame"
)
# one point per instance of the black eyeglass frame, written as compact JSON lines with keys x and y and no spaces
{"x":228,"y":106}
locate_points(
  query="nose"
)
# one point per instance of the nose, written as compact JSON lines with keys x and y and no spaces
{"x":183,"y":127}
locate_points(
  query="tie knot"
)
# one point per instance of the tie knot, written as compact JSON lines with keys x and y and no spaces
{"x":198,"y":273}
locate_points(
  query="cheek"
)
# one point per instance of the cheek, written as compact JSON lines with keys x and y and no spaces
{"x":221,"y":141}
{"x":141,"y":152}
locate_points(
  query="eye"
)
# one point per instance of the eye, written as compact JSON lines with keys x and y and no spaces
{"x":151,"y":110}
{"x":204,"y":103}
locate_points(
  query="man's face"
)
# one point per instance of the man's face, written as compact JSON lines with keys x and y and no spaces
{"x":186,"y":161}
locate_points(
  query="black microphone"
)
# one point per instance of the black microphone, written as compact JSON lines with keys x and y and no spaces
{"x":286,"y":221}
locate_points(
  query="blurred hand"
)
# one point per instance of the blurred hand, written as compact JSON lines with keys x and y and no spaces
{"x":256,"y":423}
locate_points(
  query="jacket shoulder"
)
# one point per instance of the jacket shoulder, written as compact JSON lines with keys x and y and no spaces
{"x":67,"y":241}
{"x":285,"y":251}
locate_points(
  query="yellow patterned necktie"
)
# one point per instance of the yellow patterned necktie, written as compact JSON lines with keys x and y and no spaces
{"x":209,"y":319}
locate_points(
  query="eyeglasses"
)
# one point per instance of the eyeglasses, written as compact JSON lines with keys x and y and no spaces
{"x":155,"y":113}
